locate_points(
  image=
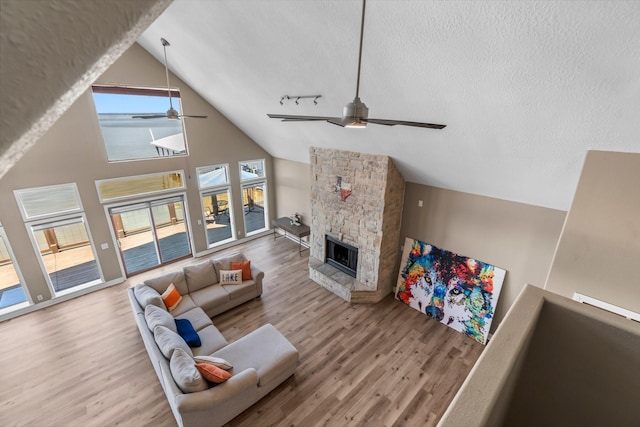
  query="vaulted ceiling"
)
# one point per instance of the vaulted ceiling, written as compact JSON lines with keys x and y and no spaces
{"x":525,"y":88}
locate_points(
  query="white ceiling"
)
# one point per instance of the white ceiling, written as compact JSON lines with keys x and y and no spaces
{"x":525,"y":88}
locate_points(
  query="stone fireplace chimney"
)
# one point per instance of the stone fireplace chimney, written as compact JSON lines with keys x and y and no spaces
{"x":357,"y":199}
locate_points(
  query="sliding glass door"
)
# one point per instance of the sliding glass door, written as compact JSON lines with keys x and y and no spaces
{"x":150,"y":234}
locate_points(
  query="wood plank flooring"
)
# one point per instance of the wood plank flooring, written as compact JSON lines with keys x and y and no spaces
{"x":82,"y":362}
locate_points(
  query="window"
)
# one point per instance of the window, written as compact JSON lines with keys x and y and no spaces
{"x":254,"y":192}
{"x":60,"y":236}
{"x":134,"y":186}
{"x":129,"y":138}
{"x":66,"y":253}
{"x":215,"y":195}
{"x":213,"y":176}
{"x":48,"y":201}
{"x":12,"y":292}
{"x":252,"y":169}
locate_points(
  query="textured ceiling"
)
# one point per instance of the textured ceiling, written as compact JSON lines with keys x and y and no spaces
{"x":525,"y":88}
{"x":50,"y":53}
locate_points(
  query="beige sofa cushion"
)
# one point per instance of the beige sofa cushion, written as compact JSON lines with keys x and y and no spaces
{"x":147,"y":295}
{"x":197,"y":317}
{"x":224,"y":263}
{"x":156,"y":316}
{"x":212,"y":341}
{"x":185,"y":305}
{"x":185,"y":373}
{"x":168,"y":341}
{"x":161,"y":283}
{"x":200,"y":275}
{"x":237,"y":291}
{"x":209,"y":297}
{"x":264,"y":349}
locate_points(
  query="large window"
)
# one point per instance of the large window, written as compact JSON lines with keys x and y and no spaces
{"x":215,"y":194}
{"x":254,"y":195}
{"x":128,"y":136}
{"x":59,"y":233}
{"x":66,"y":253}
{"x":135,"y":186}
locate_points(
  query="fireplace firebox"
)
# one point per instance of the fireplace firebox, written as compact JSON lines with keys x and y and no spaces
{"x":341,"y":255}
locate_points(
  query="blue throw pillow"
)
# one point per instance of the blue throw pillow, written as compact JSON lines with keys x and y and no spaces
{"x":186,"y":331}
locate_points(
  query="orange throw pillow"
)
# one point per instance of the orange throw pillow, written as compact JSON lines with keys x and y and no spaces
{"x":245,"y":267}
{"x":171,"y":297}
{"x":212,"y":373}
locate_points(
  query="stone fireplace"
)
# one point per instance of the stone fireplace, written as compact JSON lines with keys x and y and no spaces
{"x":356,"y":202}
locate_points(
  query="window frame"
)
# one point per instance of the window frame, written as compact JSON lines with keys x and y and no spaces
{"x":114,"y":89}
{"x":145,"y":194}
{"x":34,"y":226}
{"x":250,"y":182}
{"x":216,"y":189}
{"x":47,"y":189}
{"x":16,"y":267}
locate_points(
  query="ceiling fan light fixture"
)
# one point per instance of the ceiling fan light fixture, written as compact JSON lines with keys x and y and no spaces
{"x":172,"y":114}
{"x":355,"y":109}
{"x":356,"y":124}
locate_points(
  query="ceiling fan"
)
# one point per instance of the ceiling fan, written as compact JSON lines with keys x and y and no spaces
{"x":172,"y":113}
{"x":355,"y":114}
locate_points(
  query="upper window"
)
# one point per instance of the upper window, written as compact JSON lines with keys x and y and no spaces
{"x":251,"y":169}
{"x":212,"y":176}
{"x":127,"y":132}
{"x":48,"y":201}
{"x":134,"y":186}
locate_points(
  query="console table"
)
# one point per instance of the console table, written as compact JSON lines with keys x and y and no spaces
{"x":299,"y":231}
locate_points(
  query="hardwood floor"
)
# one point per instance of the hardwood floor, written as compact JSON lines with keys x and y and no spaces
{"x":83,"y":363}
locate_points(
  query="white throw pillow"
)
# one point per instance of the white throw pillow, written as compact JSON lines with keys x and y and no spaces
{"x":230,"y":277}
{"x":216,"y":361}
{"x":185,"y":373}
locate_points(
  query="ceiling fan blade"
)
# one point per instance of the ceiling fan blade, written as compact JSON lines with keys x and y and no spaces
{"x":289,"y":118}
{"x":151,"y":116}
{"x":336,"y":121}
{"x":193,"y":117}
{"x":403,"y":123}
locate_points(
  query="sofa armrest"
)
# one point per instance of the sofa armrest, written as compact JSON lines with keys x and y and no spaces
{"x":233,"y":387}
{"x":257,"y":276}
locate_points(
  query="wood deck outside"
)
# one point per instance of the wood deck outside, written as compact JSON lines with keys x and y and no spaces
{"x":82,"y":362}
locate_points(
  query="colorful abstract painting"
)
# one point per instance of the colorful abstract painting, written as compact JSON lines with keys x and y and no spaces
{"x":458,"y":291}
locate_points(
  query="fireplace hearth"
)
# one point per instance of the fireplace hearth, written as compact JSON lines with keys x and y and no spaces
{"x":341,"y":255}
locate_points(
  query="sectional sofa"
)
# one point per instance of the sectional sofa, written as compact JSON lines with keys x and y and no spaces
{"x":260,"y":361}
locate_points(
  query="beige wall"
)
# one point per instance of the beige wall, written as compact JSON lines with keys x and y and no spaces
{"x":73,"y":151}
{"x":292,"y":183}
{"x":599,"y":247}
{"x":50,"y":51}
{"x":516,"y":237}
{"x":553,"y":362}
